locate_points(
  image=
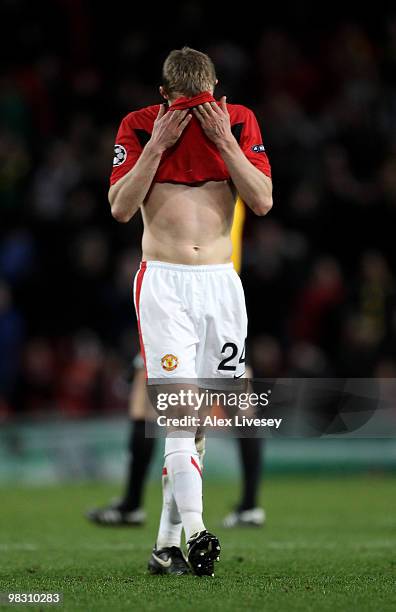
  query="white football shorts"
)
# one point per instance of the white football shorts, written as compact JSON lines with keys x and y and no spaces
{"x":192,"y":321}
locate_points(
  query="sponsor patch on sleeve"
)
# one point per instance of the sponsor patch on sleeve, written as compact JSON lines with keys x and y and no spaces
{"x":120,"y":155}
{"x":259,"y":148}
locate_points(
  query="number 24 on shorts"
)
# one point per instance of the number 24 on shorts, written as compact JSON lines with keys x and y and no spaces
{"x":230,"y":350}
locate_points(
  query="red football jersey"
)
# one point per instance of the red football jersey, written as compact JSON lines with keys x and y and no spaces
{"x":194,"y":158}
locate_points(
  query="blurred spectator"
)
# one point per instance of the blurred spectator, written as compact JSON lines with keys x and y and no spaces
{"x":316,"y":305}
{"x":266,"y":357}
{"x":39,"y":374}
{"x":54,"y":180}
{"x":367,"y":327}
{"x":12,"y":331}
{"x":79,"y":382}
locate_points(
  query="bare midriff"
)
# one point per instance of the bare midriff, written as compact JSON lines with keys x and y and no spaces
{"x":188,"y":224}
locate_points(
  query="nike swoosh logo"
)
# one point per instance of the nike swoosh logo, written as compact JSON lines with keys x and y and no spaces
{"x":162,"y":562}
{"x":243,"y":374}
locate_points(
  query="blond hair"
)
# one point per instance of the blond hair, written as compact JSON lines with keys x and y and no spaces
{"x":188,"y":72}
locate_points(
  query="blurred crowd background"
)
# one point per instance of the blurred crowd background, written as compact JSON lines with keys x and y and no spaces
{"x":319,"y":270}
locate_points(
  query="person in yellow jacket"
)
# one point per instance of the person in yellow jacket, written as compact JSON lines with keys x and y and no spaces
{"x":237,"y":234}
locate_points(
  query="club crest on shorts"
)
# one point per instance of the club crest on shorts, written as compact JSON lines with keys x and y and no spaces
{"x":169,"y":362}
{"x":120,"y":155}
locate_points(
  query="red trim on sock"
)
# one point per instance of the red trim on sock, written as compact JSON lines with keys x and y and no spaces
{"x":164,"y":471}
{"x":139,"y":281}
{"x":195,"y":464}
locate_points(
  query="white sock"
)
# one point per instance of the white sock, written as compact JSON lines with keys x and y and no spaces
{"x":170,"y":529}
{"x":200,"y":444}
{"x":184,"y":472}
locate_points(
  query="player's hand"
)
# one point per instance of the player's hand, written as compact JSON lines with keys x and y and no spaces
{"x":215,"y":121}
{"x":168,"y":127}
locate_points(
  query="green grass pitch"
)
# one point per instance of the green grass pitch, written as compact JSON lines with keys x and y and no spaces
{"x":329,"y":544}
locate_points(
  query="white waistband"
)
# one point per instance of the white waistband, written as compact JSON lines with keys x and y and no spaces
{"x":187,"y":268}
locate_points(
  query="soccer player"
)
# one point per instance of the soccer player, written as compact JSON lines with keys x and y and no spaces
{"x":128,"y":510}
{"x":182,"y":163}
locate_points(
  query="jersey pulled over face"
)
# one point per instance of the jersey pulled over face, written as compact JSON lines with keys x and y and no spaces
{"x":194,"y":158}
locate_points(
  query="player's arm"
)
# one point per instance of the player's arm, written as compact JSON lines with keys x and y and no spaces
{"x":254,"y":187}
{"x":128,"y":193}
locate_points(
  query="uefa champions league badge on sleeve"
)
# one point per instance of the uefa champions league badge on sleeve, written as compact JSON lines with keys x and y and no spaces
{"x":120,"y":155}
{"x":259,"y":148}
